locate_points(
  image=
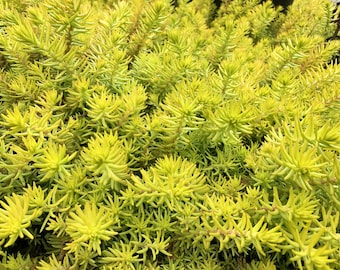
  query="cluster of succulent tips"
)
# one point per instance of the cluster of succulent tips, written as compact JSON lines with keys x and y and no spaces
{"x":158,"y":134}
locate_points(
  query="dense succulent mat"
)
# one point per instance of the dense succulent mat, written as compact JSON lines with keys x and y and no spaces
{"x":169,"y":135}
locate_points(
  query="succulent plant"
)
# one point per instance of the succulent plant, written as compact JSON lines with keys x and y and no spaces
{"x":169,"y":135}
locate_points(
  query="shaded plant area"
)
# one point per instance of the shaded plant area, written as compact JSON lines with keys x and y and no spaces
{"x":162,"y":134}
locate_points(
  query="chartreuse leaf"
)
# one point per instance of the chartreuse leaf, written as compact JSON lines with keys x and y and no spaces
{"x":171,"y":181}
{"x":90,"y":225}
{"x":105,"y":158}
{"x":121,"y":255}
{"x":16,"y":217}
{"x":53,"y":264}
{"x":308,"y":253}
{"x":169,"y":135}
{"x":156,"y":245}
{"x":54,"y":162}
{"x":103,"y":108}
{"x":17,"y":262}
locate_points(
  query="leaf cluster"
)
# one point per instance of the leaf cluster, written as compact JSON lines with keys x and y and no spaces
{"x":156,"y":135}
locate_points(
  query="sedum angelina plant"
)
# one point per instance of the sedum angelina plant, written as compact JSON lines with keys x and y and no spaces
{"x":166,"y":134}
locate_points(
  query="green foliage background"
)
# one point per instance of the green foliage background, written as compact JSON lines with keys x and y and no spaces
{"x":138,"y":134}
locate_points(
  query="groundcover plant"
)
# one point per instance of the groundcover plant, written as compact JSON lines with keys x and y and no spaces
{"x":141,"y":134}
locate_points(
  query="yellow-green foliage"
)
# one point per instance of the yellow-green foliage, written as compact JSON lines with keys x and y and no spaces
{"x":161,"y":134}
